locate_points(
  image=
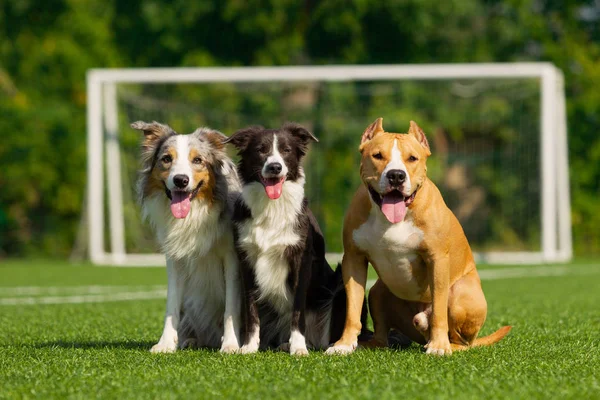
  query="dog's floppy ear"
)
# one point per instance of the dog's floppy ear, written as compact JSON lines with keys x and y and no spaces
{"x":300,"y":133}
{"x":241,"y":138}
{"x":154,"y":135}
{"x":214,"y":137}
{"x":416,"y":131}
{"x":153,"y":130}
{"x":372,"y":130}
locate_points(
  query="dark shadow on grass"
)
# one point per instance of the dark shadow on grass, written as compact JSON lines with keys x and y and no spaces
{"x":397,"y":341}
{"x":125,"y":345}
{"x":102,"y":344}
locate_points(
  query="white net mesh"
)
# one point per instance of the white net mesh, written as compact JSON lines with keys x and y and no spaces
{"x":484,"y":134}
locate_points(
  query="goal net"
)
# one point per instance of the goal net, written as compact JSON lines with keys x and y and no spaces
{"x":497,"y":132}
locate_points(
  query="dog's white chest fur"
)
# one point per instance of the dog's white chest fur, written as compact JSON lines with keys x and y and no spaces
{"x":265,"y":236}
{"x":391,"y":248}
{"x":193,"y":236}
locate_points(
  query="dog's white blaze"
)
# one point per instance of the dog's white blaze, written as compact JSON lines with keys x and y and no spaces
{"x":275,"y":156}
{"x":391,"y":248}
{"x":395,"y":163}
{"x":181,"y":164}
{"x":297,"y":343}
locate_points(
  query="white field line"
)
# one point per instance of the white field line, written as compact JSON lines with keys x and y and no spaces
{"x":73,"y":290}
{"x":103,"y":294}
{"x":525,"y":272}
{"x":90,"y":298}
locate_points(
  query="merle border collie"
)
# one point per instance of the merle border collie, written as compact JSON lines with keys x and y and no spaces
{"x":292,"y":297}
{"x":187,"y":187}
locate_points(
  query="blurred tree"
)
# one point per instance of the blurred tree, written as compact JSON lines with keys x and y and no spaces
{"x":47,"y":46}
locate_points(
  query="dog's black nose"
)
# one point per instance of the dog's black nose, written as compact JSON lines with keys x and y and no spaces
{"x":396,"y":177}
{"x":274,"y":168}
{"x":181,"y":181}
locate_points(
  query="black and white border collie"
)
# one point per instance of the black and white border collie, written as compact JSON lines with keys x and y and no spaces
{"x":187,"y":187}
{"x":289,"y":289}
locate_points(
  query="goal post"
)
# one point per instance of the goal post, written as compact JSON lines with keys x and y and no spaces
{"x":104,"y":146}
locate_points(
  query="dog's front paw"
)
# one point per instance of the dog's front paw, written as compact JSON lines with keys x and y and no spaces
{"x":230,"y":348}
{"x":302,"y":351}
{"x":164,"y":347}
{"x":341,"y":349}
{"x":439,"y":347}
{"x":298,"y":344}
{"x":298,"y":350}
{"x":249,"y":348}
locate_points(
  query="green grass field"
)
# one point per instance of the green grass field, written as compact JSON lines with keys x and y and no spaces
{"x":63,"y":335}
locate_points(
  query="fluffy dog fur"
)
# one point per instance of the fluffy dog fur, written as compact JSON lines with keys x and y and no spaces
{"x":194,"y":175}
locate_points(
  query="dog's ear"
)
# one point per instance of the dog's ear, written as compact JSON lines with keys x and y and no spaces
{"x":214,"y":137}
{"x":372,"y":130}
{"x":300,"y":133}
{"x":152,"y":131}
{"x":416,"y":131}
{"x":241,"y":138}
{"x":154,"y":135}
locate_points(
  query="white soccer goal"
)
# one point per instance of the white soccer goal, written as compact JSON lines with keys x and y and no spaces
{"x":498,"y":132}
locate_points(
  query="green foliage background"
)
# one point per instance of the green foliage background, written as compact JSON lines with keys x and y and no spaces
{"x":47,"y":46}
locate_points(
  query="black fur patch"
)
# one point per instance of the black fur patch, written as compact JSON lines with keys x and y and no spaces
{"x":254,"y":145}
{"x":311,"y":281}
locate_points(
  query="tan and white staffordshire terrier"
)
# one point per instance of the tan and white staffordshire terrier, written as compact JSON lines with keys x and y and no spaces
{"x":428,"y":286}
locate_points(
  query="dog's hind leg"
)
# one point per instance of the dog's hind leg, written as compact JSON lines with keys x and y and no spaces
{"x":377,"y":306}
{"x":390,"y":312}
{"x":467,"y":310}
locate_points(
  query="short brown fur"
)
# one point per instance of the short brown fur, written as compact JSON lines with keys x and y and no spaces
{"x":449,"y":308}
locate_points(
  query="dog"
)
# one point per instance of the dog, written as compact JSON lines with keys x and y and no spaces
{"x":187,"y":187}
{"x":293,"y":300}
{"x":428,"y":286}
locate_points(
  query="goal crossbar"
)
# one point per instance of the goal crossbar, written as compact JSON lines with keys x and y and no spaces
{"x":102,"y":131}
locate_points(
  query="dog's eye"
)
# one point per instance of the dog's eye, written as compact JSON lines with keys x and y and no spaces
{"x":263,"y":149}
{"x":412,"y":158}
{"x":167,"y":159}
{"x":197,"y":160}
{"x":378,"y":156}
{"x":287,"y":150}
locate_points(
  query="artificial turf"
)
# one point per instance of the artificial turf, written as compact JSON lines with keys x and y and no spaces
{"x":100,"y":350}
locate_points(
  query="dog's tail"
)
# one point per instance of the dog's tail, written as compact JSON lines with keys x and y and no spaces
{"x":484,"y":341}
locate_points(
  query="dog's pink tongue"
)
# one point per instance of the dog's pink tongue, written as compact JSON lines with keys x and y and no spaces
{"x":393,"y":207}
{"x":180,"y":204}
{"x":273,"y":187}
